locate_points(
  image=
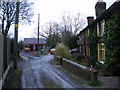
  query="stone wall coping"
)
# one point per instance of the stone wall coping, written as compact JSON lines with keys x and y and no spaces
{"x":81,"y":66}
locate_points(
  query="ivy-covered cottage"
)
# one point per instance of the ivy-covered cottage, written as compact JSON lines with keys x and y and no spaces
{"x":99,"y":42}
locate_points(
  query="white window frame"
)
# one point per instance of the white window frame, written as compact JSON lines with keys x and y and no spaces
{"x":83,"y":51}
{"x":102,"y":45}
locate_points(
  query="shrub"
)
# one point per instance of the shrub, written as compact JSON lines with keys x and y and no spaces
{"x":62,"y":51}
{"x":95,"y":83}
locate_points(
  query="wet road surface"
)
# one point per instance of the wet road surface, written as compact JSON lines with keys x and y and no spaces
{"x":37,"y":72}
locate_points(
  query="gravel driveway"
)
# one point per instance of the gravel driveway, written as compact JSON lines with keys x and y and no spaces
{"x":37,"y":72}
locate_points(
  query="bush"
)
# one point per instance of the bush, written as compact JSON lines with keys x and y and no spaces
{"x":62,"y":51}
{"x":95,"y":83}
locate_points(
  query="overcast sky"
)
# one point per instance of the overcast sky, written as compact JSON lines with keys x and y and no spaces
{"x":52,"y":10}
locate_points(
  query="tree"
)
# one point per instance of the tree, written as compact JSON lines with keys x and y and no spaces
{"x":66,"y":31}
{"x":70,"y":28}
{"x":73,"y":24}
{"x":8,"y":10}
{"x":53,"y":40}
{"x":47,"y":29}
{"x":50,"y":31}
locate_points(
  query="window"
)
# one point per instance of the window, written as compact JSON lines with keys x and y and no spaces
{"x":102,"y":54}
{"x":89,"y":51}
{"x":101,"y":28}
{"x":83,"y":51}
{"x":80,"y":48}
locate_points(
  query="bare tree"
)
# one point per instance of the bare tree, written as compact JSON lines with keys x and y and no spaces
{"x":70,"y":26}
{"x":73,"y":24}
{"x":78,"y":23}
{"x":47,"y":29}
{"x":8,"y":10}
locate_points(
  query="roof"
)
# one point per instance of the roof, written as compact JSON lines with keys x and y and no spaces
{"x":105,"y":14}
{"x":34,"y":41}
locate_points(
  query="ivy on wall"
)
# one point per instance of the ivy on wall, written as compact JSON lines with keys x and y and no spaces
{"x":93,"y":46}
{"x":112,"y":43}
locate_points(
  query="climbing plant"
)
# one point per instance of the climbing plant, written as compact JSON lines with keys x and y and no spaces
{"x":112,"y":43}
{"x":93,"y":46}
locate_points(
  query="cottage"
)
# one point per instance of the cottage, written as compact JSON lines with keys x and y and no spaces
{"x":91,"y":44}
{"x":33,"y":44}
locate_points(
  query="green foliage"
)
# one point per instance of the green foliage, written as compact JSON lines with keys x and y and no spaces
{"x":112,"y":42}
{"x":73,"y":42}
{"x":93,"y":46}
{"x":53,"y":39}
{"x":95,"y":83}
{"x":20,"y":45}
{"x":55,"y":62}
{"x":62,"y":51}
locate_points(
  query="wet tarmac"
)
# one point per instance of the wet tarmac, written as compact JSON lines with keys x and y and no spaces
{"x":37,"y":72}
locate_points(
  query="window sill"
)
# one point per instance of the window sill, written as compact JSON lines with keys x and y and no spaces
{"x":101,"y":62}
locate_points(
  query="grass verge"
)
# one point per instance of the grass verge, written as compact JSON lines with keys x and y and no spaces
{"x":74,"y":77}
{"x":95,"y":83}
{"x":49,"y":84}
{"x":13,"y":79}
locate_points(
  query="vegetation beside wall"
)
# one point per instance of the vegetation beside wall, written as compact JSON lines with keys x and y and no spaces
{"x":62,"y":51}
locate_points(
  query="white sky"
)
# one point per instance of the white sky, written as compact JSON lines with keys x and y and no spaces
{"x":52,"y":10}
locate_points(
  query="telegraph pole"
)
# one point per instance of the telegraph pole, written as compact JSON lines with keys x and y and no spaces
{"x":16,"y":34}
{"x":38,"y":35}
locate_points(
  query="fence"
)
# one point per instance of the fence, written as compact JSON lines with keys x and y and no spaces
{"x":5,"y":56}
{"x":1,"y":59}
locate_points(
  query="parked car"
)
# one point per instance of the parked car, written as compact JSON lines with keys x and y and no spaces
{"x":26,"y":49}
{"x":52,"y":51}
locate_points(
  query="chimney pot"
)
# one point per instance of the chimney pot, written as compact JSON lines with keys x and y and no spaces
{"x":100,"y":0}
{"x":90,"y":19}
{"x":100,"y":7}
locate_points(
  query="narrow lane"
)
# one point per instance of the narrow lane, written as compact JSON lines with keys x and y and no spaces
{"x":37,"y":70}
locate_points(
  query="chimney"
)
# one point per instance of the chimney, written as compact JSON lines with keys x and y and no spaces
{"x":100,"y":7}
{"x":117,"y":0}
{"x":90,"y":19}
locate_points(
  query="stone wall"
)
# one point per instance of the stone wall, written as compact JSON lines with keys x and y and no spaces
{"x":80,"y":70}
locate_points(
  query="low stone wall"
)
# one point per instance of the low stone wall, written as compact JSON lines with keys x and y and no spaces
{"x":80,"y":70}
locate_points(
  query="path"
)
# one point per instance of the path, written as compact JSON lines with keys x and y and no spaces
{"x":37,"y":72}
